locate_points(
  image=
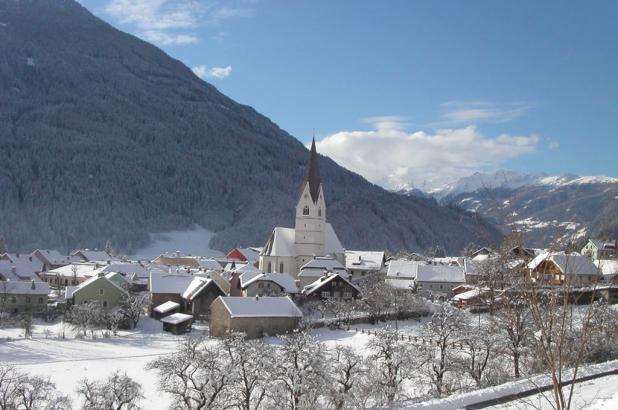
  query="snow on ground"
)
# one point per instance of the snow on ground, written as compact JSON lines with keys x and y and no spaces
{"x":190,"y":242}
{"x":69,"y":360}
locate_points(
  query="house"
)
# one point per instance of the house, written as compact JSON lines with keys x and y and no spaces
{"x":177,"y":323}
{"x":168,"y":287}
{"x":53,"y":259}
{"x":600,"y":249}
{"x":96,"y":289}
{"x":255,"y":316}
{"x":331,"y":286}
{"x":315,"y":268}
{"x":269,"y":284}
{"x":475,"y":298}
{"x":119,"y":280}
{"x":401,"y":273}
{"x":209,"y":264}
{"x":19,"y":266}
{"x":71,"y":274}
{"x":483,"y":254}
{"x":165,"y":309}
{"x":245,"y":255}
{"x":92,"y":256}
{"x":437,"y":281}
{"x":23,"y":297}
{"x":177,"y":259}
{"x":199,"y":295}
{"x":360,"y":264}
{"x":609,"y":269}
{"x":555,"y":268}
{"x":288,"y":249}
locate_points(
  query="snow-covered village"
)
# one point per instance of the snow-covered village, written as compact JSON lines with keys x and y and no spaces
{"x":163,"y":246}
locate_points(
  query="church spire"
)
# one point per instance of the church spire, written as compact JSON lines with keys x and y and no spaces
{"x":312,"y":173}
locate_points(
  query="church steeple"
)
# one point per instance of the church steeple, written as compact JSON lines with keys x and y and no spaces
{"x":312,"y":173}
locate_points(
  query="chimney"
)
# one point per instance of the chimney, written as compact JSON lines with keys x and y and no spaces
{"x":32,"y":285}
{"x":178,"y":254}
{"x":257,"y":297}
{"x":30,"y":258}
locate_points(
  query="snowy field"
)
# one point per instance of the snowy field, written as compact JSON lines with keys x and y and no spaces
{"x":69,"y":360}
{"x":193,"y":241}
{"x":66,"y":361}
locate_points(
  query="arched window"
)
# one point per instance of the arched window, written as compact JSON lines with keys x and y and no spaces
{"x":319,"y":211}
{"x":306,"y":210}
{"x":281,"y":267}
{"x":269,"y":267}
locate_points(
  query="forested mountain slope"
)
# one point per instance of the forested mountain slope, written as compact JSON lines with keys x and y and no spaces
{"x":103,"y":136}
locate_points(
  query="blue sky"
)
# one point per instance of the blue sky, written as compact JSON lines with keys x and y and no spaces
{"x":409,"y":92}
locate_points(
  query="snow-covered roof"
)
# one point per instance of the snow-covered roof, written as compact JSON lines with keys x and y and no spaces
{"x":287,"y":282}
{"x":89,"y":255}
{"x":196,"y":286}
{"x":248,"y":276}
{"x":364,"y":260}
{"x":265,"y":306}
{"x":68,"y":291}
{"x":209,"y":264}
{"x":607,"y":266}
{"x":54,"y":257}
{"x":26,"y":267}
{"x":280,"y":243}
{"x":13,"y":287}
{"x":402,"y":269}
{"x":176,"y":318}
{"x":166,"y":283}
{"x":470,"y":294}
{"x":309,"y":289}
{"x":126,"y":268}
{"x":332,"y":245}
{"x":572,"y":263}
{"x":166,"y":307}
{"x":316,"y":267}
{"x":80,"y":270}
{"x":439,"y":273}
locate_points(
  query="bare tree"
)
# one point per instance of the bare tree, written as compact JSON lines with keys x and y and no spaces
{"x":117,"y":392}
{"x":133,"y":306}
{"x":300,"y":371}
{"x":478,"y":347}
{"x":25,"y":392}
{"x":444,"y":328}
{"x":197,"y":376}
{"x":251,"y":365}
{"x":392,"y":364}
{"x":347,"y":372}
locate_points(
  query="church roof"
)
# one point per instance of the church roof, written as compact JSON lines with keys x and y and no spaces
{"x":312,"y":174}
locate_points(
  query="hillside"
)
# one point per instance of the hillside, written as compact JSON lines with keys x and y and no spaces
{"x":105,"y":137}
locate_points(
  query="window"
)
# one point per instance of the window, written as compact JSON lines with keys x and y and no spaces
{"x":269,"y":267}
{"x":105,"y":303}
{"x":261,"y":285}
{"x":325,"y":294}
{"x":40,"y":301}
{"x":347,"y":295}
{"x":13,"y":299}
{"x":281,"y":267}
{"x":101,"y":292}
{"x":319,"y":211}
{"x":306,"y":210}
{"x":27,"y":299}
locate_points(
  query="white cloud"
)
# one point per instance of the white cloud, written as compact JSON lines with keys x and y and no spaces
{"x":393,"y":157}
{"x":170,"y":22}
{"x":203,"y":71}
{"x":469,"y":112}
{"x":554,"y":145}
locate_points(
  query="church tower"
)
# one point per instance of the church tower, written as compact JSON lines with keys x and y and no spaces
{"x":310,"y":213}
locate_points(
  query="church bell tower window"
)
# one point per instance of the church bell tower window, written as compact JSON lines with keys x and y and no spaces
{"x":306,"y":210}
{"x":319,"y":211}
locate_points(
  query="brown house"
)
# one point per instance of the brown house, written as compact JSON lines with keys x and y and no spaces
{"x":199,"y":295}
{"x":554,"y":268}
{"x":255,"y":317}
{"x":331,"y":286}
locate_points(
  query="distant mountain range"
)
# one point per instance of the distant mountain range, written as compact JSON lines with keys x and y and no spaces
{"x":546,"y":208}
{"x":105,"y":137}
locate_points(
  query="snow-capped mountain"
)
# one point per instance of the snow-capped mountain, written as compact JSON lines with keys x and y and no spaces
{"x":545,"y":208}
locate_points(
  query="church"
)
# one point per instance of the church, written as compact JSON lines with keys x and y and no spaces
{"x":288,"y":249}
